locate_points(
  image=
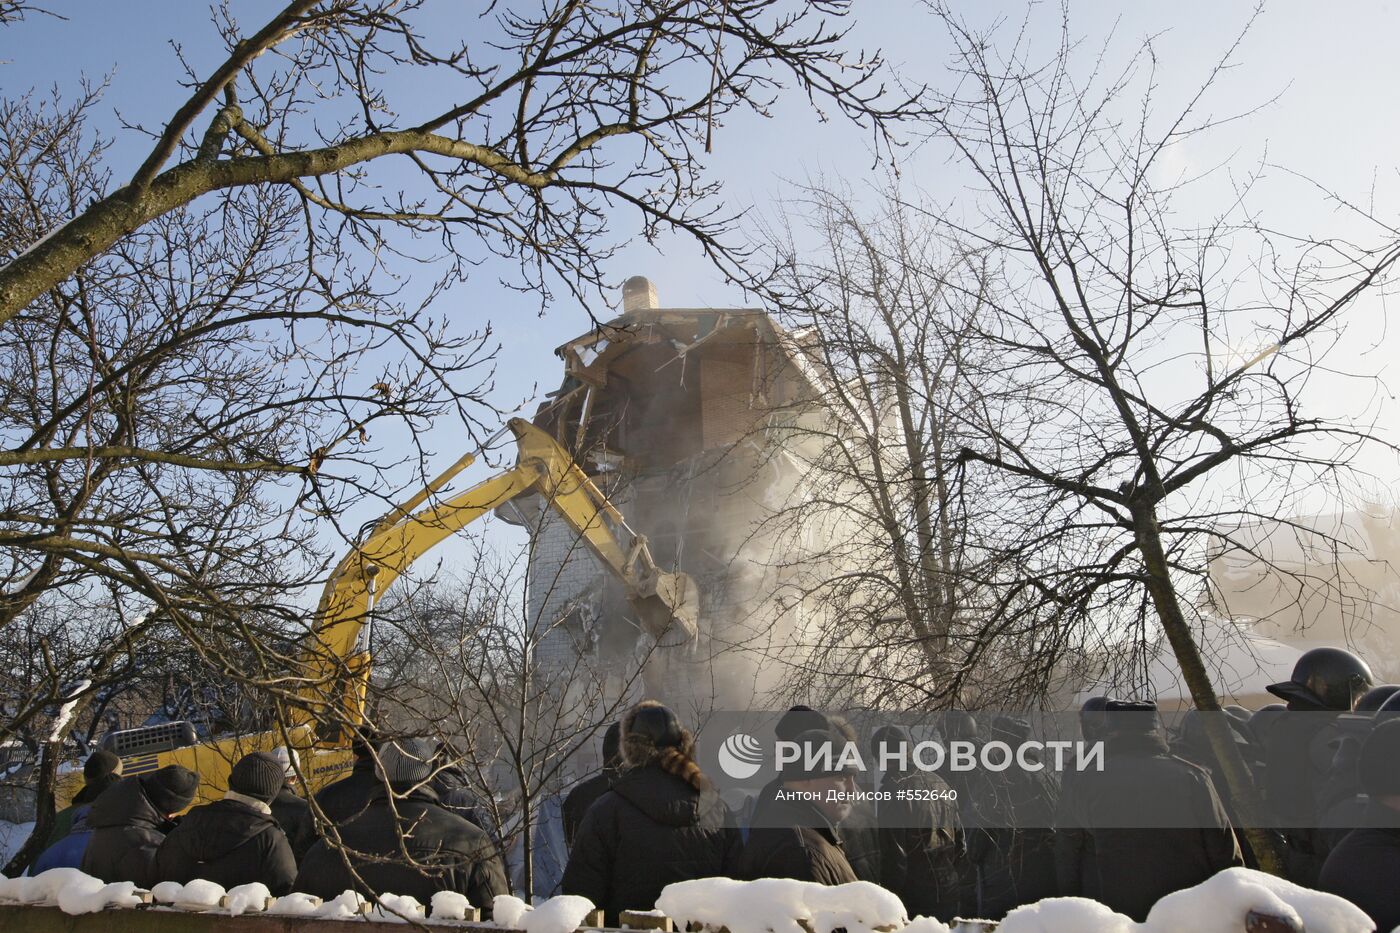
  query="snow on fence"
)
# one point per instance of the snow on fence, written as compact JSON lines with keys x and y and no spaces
{"x":64,"y":900}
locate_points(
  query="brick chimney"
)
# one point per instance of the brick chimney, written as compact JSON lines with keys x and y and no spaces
{"x":638,"y":294}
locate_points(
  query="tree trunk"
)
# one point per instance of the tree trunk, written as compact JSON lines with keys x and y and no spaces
{"x":43,"y":811}
{"x":1188,"y":658}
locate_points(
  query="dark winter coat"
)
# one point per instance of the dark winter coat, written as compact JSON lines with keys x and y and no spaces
{"x":342,"y":800}
{"x":1032,"y":797}
{"x":68,"y":851}
{"x":651,"y":829}
{"x":450,"y":854}
{"x":1298,"y":755}
{"x":293,"y":814}
{"x":921,"y":844}
{"x":229,"y":842}
{"x":126,"y":832}
{"x":578,"y":801}
{"x":860,"y":841}
{"x":792,"y":839}
{"x":455,"y":794}
{"x":1133,"y":867}
{"x":1365,"y":866}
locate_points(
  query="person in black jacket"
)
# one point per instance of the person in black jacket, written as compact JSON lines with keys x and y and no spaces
{"x":1299,"y":751}
{"x":342,"y":800}
{"x":1187,"y":836}
{"x":289,"y":809}
{"x":1365,"y":865}
{"x":129,"y":821}
{"x":100,"y":771}
{"x":235,"y":840}
{"x":660,"y":822}
{"x":1032,"y":798}
{"x":579,"y":799}
{"x":921,"y":839}
{"x":405,"y":843}
{"x":795,"y":834}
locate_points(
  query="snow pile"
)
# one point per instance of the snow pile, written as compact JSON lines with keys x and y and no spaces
{"x":857,"y":907}
{"x":449,"y":905}
{"x":769,"y":905}
{"x":925,"y":925}
{"x":348,"y":904}
{"x":44,"y":887}
{"x":507,"y":911}
{"x":296,"y":905}
{"x":167,"y":892}
{"x":397,"y":908}
{"x":197,"y":895}
{"x":1219,"y":905}
{"x":782,"y":905}
{"x":70,"y":890}
{"x":560,"y":914}
{"x":89,"y":895}
{"x":247,"y":897}
{"x":1068,"y":915}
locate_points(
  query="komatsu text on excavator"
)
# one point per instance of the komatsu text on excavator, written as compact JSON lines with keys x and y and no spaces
{"x":335,"y":665}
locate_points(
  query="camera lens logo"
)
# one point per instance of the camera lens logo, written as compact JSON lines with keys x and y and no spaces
{"x":740,"y":756}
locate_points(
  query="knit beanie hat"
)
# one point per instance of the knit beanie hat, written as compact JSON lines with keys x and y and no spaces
{"x":100,"y":764}
{"x":258,"y":775}
{"x":407,"y":761}
{"x":171,"y":789}
{"x":798,"y":720}
{"x":1379,"y":765}
{"x":288,"y":759}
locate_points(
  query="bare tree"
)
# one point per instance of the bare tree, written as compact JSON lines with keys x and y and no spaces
{"x":460,"y":658}
{"x":521,"y":137}
{"x":179,"y":419}
{"x":924,"y":610}
{"x":1168,"y":391}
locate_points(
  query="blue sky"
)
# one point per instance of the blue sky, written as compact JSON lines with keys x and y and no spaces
{"x":1333,"y":68}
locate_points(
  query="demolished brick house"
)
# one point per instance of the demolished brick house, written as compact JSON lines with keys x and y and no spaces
{"x":686,"y":418}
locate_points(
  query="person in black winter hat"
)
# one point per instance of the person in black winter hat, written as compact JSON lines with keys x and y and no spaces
{"x":579,"y":799}
{"x":1134,"y":853}
{"x":343,"y":800}
{"x":289,"y":809}
{"x":235,"y":840}
{"x":101,"y":770}
{"x":920,"y":830}
{"x":1364,"y":866}
{"x":444,"y":851}
{"x":660,"y":822}
{"x":129,"y":821}
{"x":797,"y":833}
{"x":790,"y":725}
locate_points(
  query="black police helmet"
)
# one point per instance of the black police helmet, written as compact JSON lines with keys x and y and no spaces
{"x":1327,"y":679}
{"x":1375,"y":699}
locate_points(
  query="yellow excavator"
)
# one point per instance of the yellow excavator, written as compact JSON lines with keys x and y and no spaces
{"x":335,"y":665}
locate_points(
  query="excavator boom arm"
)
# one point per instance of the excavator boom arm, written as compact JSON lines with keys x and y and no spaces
{"x":337,"y":663}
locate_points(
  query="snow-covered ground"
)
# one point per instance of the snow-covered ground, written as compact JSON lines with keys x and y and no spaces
{"x":12,"y":836}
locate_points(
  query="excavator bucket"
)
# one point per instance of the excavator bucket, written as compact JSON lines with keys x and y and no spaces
{"x":669,"y":607}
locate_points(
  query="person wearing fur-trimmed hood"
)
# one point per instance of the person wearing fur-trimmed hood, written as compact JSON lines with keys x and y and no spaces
{"x":660,"y":822}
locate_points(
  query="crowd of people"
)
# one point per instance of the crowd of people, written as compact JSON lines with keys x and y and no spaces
{"x":948,"y":843}
{"x":402,"y":821}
